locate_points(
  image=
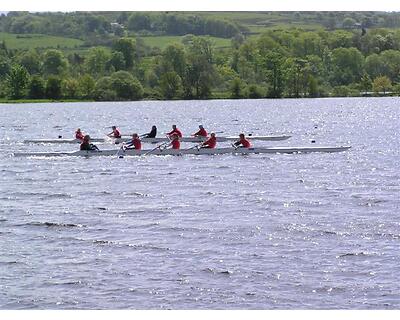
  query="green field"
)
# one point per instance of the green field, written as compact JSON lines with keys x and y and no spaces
{"x":38,"y":41}
{"x":163,"y":41}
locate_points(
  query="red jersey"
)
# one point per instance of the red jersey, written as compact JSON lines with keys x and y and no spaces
{"x":136,"y":143}
{"x":79,"y":135}
{"x":245,"y":143}
{"x":175,"y":131}
{"x":202,"y":133}
{"x":210,"y":142}
{"x":176,"y":144}
{"x":116,"y":133}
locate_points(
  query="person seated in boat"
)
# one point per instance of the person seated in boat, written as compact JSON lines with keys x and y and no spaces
{"x":175,"y":143}
{"x":242,"y":142}
{"x":175,"y":131}
{"x":210,"y":143}
{"x":201,"y":133}
{"x":86,"y":145}
{"x":151,"y":134}
{"x":114,"y":133}
{"x":79,"y":134}
{"x":135,"y":143}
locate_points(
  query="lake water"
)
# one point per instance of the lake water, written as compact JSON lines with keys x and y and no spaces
{"x":302,"y":231}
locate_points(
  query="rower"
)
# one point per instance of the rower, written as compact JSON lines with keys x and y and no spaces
{"x":201,"y":133}
{"x":135,"y":143}
{"x":242,"y":142}
{"x":79,"y":134}
{"x":175,"y":131}
{"x":151,"y":134}
{"x":86,"y":145}
{"x":114,"y":133}
{"x":175,"y":143}
{"x":210,"y":143}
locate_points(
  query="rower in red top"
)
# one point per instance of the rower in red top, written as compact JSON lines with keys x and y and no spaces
{"x":175,"y":131}
{"x":175,"y":143}
{"x":135,"y":143}
{"x":242,"y":142}
{"x":211,"y":142}
{"x":114,"y":133}
{"x":201,"y":133}
{"x":79,"y":134}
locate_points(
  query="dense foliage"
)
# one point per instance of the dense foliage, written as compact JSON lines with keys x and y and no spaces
{"x":287,"y":62}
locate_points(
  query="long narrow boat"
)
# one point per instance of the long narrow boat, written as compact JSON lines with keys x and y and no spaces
{"x":157,"y":140}
{"x":193,"y":151}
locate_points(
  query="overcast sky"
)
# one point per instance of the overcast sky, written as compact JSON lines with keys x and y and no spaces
{"x":201,"y":5}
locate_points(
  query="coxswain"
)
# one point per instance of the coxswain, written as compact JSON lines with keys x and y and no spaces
{"x":151,"y":134}
{"x":175,"y":143}
{"x":135,"y":143}
{"x":242,"y":142}
{"x":201,"y":133}
{"x":86,"y":145}
{"x":114,"y":133}
{"x":79,"y":134}
{"x":175,"y":131}
{"x":211,"y":142}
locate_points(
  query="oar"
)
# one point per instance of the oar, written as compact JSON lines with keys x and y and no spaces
{"x":158,"y":147}
{"x":118,"y":152}
{"x":196,"y":146}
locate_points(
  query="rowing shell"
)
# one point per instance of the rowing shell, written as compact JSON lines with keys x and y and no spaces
{"x":157,"y":140}
{"x":193,"y":151}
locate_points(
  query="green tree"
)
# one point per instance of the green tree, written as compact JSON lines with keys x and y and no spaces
{"x":174,"y":59}
{"x":117,"y":61}
{"x":365,"y":83}
{"x":103,"y":90}
{"x":272,"y":63}
{"x":200,"y":71}
{"x":30,"y":60}
{"x":17,"y":81}
{"x":53,"y":88}
{"x":54,"y":63}
{"x":70,"y":88}
{"x":86,"y":86}
{"x":4,"y":67}
{"x":237,"y":88}
{"x":347,"y":66}
{"x":381,"y":85}
{"x":127,"y":47}
{"x":254,"y":91}
{"x":171,"y":85}
{"x":96,"y":61}
{"x":126,"y":86}
{"x":36,"y":88}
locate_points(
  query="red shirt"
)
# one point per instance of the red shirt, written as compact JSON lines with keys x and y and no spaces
{"x":210,"y":142}
{"x":136,"y":143}
{"x":202,"y":133}
{"x":176,"y":144}
{"x":79,"y":135}
{"x":245,"y":143}
{"x":175,"y":131}
{"x":117,"y":134}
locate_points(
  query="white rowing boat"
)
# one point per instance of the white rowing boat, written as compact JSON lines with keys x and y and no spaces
{"x":158,"y":140}
{"x":193,"y":151}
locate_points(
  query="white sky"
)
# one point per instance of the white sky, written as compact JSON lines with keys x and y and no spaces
{"x":200,"y":5}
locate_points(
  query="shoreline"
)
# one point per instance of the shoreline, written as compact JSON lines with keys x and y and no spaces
{"x":23,"y":101}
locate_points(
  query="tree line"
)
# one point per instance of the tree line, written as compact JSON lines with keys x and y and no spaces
{"x":281,"y":63}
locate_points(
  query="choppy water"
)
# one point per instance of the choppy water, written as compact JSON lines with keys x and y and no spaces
{"x":306,"y":231}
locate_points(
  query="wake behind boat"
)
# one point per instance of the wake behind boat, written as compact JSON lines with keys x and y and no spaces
{"x":192,"y":151}
{"x":158,"y":140}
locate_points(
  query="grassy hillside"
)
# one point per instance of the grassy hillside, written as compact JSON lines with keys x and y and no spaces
{"x":29,"y":41}
{"x":163,"y":41}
